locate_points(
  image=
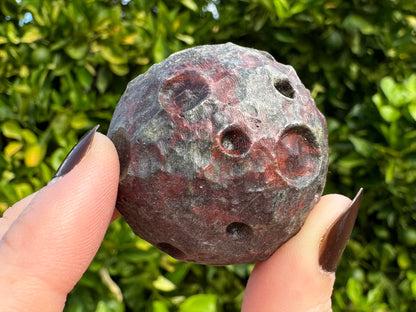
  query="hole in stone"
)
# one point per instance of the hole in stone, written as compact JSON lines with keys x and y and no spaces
{"x":171,"y":250}
{"x":285,"y":88}
{"x":235,"y":141}
{"x":185,"y":90}
{"x":298,"y":154}
{"x":239,"y":231}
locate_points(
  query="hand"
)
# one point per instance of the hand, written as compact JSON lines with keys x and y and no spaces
{"x":48,"y":240}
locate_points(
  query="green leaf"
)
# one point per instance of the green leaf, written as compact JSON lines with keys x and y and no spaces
{"x":6,"y":112}
{"x":9,"y":191}
{"x":397,"y":94}
{"x":159,"y":50}
{"x":84,"y":77}
{"x":23,"y":189}
{"x":163,"y":284}
{"x":46,"y":172}
{"x":80,"y":121}
{"x":356,"y":22}
{"x":159,"y":306}
{"x":410,"y":85}
{"x":31,"y":34}
{"x":377,"y":100}
{"x":199,"y":303}
{"x":409,"y":237}
{"x":101,"y":307}
{"x":119,"y":70}
{"x":9,"y":8}
{"x":403,"y":260}
{"x":34,"y":155}
{"x":29,"y":136}
{"x":7,"y":176}
{"x":114,"y":55}
{"x":387,"y":84}
{"x":12,"y":33}
{"x":190,"y":4}
{"x":180,"y":272}
{"x":186,"y":38}
{"x":59,"y":44}
{"x":61,"y":65}
{"x":354,"y":291}
{"x":390,"y":169}
{"x":412,"y":110}
{"x":11,"y":130}
{"x":413,"y":287}
{"x":3,"y":207}
{"x":103,"y":79}
{"x":351,"y":161}
{"x":361,"y":145}
{"x":109,"y":305}
{"x":375,"y":295}
{"x":282,"y":8}
{"x":12,"y":148}
{"x":284,"y":36}
{"x":389,"y":113}
{"x":77,"y":50}
{"x":298,"y":7}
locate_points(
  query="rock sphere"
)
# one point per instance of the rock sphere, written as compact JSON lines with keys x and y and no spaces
{"x":223,"y":153}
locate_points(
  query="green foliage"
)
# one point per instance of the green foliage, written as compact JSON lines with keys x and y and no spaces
{"x":64,"y":65}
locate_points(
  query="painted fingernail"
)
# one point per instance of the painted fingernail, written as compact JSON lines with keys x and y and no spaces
{"x":336,"y":238}
{"x":76,"y":154}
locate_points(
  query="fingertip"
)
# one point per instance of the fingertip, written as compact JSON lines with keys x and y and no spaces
{"x":106,"y":143}
{"x":328,"y":208}
{"x":104,"y":148}
{"x":332,"y":202}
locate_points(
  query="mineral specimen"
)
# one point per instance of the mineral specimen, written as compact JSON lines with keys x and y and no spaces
{"x":223,"y":153}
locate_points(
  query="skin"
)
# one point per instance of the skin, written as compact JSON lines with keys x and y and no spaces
{"x":48,"y":240}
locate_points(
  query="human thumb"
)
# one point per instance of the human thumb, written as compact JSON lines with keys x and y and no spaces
{"x":300,"y":275}
{"x":48,"y":239}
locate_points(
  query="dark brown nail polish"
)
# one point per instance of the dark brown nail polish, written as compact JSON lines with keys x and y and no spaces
{"x":76,"y":154}
{"x":336,"y":238}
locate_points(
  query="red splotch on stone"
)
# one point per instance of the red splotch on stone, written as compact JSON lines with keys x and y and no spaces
{"x":223,"y":153}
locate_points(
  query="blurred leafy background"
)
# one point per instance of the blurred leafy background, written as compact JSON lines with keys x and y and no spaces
{"x":64,"y":65}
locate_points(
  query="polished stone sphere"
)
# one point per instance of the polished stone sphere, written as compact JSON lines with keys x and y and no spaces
{"x":223,"y":154}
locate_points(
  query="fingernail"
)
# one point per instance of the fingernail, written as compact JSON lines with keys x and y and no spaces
{"x":76,"y":154}
{"x":336,"y":238}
